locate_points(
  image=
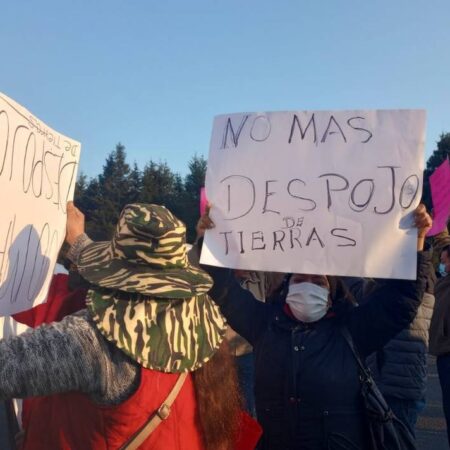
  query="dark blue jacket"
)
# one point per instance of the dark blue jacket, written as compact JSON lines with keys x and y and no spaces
{"x":307,"y":382}
{"x":400,"y":368}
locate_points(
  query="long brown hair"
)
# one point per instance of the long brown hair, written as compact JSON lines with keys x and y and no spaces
{"x":219,"y":401}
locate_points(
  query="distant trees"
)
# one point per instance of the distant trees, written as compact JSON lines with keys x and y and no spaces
{"x":193,"y":182}
{"x":103,"y":197}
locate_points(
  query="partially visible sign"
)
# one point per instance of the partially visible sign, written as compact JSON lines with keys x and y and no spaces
{"x":38,"y":168}
{"x":324,"y":192}
{"x":440,"y":193}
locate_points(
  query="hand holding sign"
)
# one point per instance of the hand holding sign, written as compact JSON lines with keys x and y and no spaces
{"x":205,"y":222}
{"x":423,"y":222}
{"x":75,"y":223}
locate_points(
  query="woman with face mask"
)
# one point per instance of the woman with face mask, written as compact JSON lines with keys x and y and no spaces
{"x":307,"y":386}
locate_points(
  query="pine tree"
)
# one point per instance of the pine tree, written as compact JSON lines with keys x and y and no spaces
{"x":134,"y":184}
{"x":195,"y":179}
{"x":193,"y":183}
{"x":114,"y":191}
{"x":176,"y":202}
{"x":102,"y":198}
{"x":89,"y":204}
{"x":80,"y":186}
{"x":158,"y":184}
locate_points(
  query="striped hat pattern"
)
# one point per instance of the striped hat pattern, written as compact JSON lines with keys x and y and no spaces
{"x":169,"y":335}
{"x":147,"y":255}
{"x":149,"y":301}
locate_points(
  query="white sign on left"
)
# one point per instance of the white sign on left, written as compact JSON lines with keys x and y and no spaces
{"x":38,"y":168}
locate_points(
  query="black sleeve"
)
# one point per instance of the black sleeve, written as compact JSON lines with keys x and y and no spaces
{"x":245,"y":314}
{"x":390,"y":308}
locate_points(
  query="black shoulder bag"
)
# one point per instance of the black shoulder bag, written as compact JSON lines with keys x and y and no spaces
{"x":386,"y":432}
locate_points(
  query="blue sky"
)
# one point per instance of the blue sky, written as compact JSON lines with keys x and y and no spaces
{"x":153,"y":74}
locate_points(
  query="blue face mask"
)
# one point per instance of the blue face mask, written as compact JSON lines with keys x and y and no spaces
{"x":442,"y":270}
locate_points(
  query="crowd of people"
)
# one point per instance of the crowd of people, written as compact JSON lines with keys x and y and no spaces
{"x":140,"y":346}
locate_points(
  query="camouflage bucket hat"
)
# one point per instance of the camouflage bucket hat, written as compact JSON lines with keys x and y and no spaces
{"x":147,"y":255}
{"x":169,"y":335}
{"x":149,"y":301}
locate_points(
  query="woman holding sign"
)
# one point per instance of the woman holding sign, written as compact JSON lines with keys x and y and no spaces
{"x":307,"y":378}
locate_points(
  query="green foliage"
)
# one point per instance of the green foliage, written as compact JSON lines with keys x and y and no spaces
{"x":193,"y":182}
{"x":135,"y":184}
{"x":158,"y":183}
{"x":102,"y":198}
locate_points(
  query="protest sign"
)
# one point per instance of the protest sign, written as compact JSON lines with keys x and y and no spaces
{"x":440,"y":193}
{"x":38,"y":168}
{"x":316,"y":192}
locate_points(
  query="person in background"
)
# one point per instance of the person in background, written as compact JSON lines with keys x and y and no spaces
{"x":307,"y":385}
{"x":400,"y":368}
{"x":261,"y":285}
{"x":440,"y":331}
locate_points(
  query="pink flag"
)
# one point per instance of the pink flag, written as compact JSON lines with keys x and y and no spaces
{"x":203,"y":201}
{"x":440,"y":193}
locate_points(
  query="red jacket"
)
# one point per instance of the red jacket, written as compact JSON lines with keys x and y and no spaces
{"x":60,"y":303}
{"x":73,"y":421}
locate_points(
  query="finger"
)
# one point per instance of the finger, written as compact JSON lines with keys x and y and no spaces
{"x":420,"y":211}
{"x":421,"y":208}
{"x":421,"y":218}
{"x":428,"y":221}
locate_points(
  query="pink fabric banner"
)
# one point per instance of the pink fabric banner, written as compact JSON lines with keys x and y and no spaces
{"x":440,"y":193}
{"x":203,"y":201}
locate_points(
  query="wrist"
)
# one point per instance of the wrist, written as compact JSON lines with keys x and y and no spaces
{"x":420,"y":243}
{"x":77,"y":247}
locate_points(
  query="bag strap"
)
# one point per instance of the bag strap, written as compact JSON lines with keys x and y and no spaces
{"x":155,"y":419}
{"x":362,"y":367}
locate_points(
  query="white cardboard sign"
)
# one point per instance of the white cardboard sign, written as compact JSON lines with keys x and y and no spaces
{"x":38,"y":168}
{"x":323,"y":192}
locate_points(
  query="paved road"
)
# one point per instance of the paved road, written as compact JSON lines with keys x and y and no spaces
{"x":431,"y":428}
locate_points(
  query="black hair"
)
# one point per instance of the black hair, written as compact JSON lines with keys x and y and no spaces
{"x":279,"y":294}
{"x":339,"y":291}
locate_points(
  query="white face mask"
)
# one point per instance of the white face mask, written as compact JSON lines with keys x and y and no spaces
{"x":442,"y":270}
{"x":308,"y":301}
